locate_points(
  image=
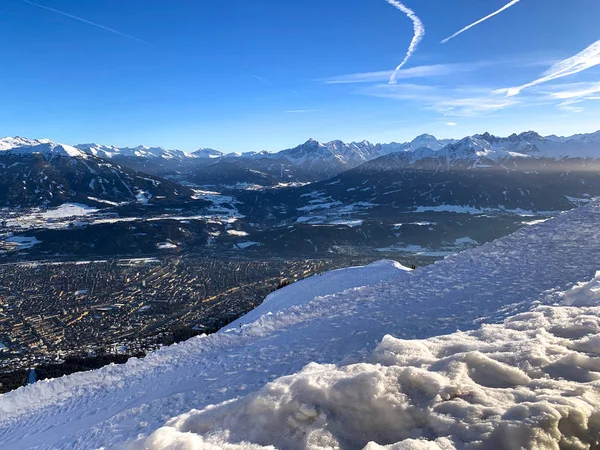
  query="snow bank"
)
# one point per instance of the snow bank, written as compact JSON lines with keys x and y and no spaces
{"x":328,"y":283}
{"x":532,"y":382}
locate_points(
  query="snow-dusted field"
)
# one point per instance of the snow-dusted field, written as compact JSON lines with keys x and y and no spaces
{"x":533,"y":380}
{"x":67,"y":215}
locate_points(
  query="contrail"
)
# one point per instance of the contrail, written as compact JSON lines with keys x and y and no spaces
{"x":586,"y":59}
{"x":62,"y":13}
{"x":418,"y":36}
{"x":505,"y":7}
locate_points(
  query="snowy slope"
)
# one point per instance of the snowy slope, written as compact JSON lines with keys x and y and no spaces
{"x":329,"y":283}
{"x":530,"y":268}
{"x":532,"y":382}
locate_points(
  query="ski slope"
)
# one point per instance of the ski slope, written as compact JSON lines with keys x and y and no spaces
{"x":120,"y":405}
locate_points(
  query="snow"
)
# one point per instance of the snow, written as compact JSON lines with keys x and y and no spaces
{"x":23,"y":242}
{"x":332,"y":213}
{"x":534,"y":222}
{"x":69,"y":210}
{"x":165,"y":246}
{"x":236,"y":233}
{"x":100,"y":200}
{"x":542,"y":386}
{"x":531,"y":382}
{"x":416,"y":249}
{"x":460,"y":209}
{"x":419,"y":224}
{"x":110,"y":152}
{"x":463,"y":209}
{"x":466,"y":241}
{"x":348,"y":223}
{"x":329,"y":283}
{"x":143,"y":197}
{"x":54,"y":218}
{"x":138,"y":261}
{"x":43,"y":146}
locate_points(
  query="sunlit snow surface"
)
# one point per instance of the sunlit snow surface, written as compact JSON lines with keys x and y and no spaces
{"x":533,"y":382}
{"x":533,"y":379}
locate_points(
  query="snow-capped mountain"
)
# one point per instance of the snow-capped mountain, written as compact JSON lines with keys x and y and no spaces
{"x":420,"y":142}
{"x":325,"y":160}
{"x":42,"y":172}
{"x":316,"y":161}
{"x":308,"y":162}
{"x":532,"y":144}
{"x":527,"y":151}
{"x":207,"y":153}
{"x":111,"y":152}
{"x":429,"y":141}
{"x":20,"y":145}
{"x":364,"y":358}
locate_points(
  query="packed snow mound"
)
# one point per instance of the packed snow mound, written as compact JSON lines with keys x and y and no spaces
{"x":328,"y":283}
{"x":584,"y":294}
{"x":532,"y":382}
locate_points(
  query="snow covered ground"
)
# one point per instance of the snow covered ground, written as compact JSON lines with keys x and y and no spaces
{"x":535,"y":378}
{"x":532,"y":382}
{"x":67,"y":215}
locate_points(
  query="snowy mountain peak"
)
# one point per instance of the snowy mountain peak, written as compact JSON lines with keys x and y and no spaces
{"x":141,"y":151}
{"x":45,"y":147}
{"x":426,"y":141}
{"x":207,"y":153}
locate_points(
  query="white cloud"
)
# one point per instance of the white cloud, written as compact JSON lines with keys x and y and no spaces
{"x":414,"y":72}
{"x":495,"y":13}
{"x":588,"y":58}
{"x":451,"y":124}
{"x":419,"y":32}
{"x":574,"y":90}
{"x":449,"y":101}
{"x":570,"y":107}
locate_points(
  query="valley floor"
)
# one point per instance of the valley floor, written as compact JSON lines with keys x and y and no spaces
{"x":120,"y":404}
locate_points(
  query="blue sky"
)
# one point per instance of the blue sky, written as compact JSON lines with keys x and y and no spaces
{"x":241,"y":75}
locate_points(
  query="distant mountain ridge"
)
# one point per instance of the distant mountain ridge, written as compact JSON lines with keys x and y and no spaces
{"x":529,"y":142}
{"x":315,"y":161}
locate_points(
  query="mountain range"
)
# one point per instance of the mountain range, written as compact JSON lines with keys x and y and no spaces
{"x":316,"y":161}
{"x":426,"y":196}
